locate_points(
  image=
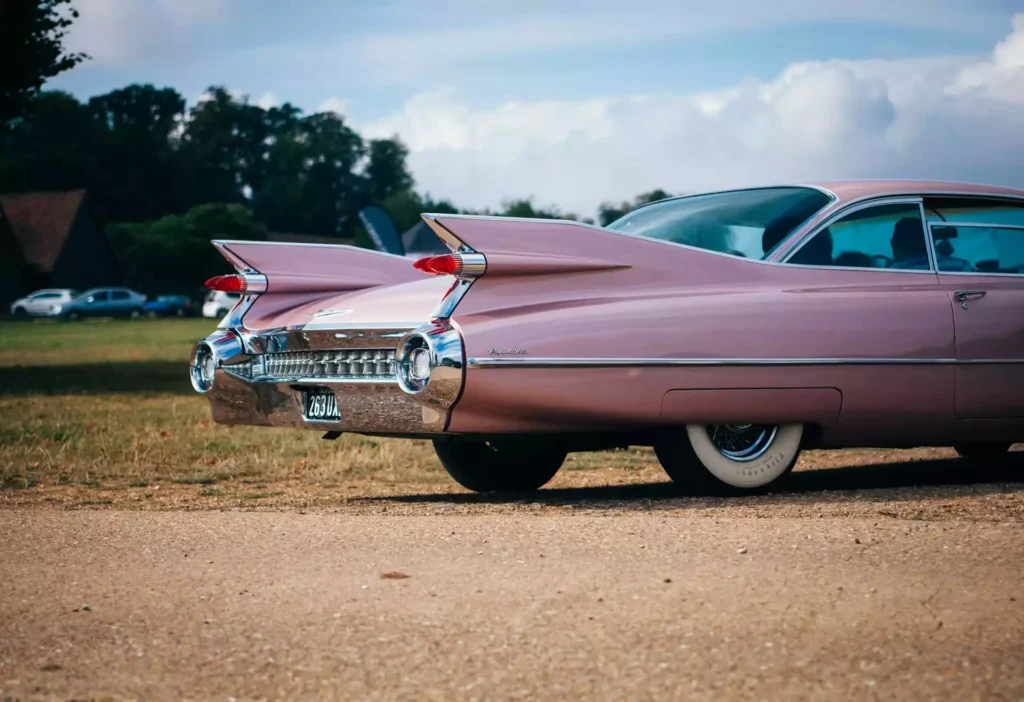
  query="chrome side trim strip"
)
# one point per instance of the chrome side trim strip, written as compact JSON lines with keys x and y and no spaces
{"x":986,"y":361}
{"x":983,"y":274}
{"x":551,"y":362}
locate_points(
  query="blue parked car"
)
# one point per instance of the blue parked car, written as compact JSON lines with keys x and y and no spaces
{"x":103,"y":302}
{"x":170,"y":306}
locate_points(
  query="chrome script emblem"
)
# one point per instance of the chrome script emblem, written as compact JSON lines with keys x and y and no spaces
{"x":507,"y":352}
{"x":328,"y":313}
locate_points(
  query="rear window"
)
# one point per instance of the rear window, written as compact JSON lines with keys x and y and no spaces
{"x":745,"y":223}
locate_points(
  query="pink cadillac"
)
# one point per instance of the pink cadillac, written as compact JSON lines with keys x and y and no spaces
{"x":727,"y":330}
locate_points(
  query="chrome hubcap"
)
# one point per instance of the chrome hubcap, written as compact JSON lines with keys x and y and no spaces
{"x":742,"y":442}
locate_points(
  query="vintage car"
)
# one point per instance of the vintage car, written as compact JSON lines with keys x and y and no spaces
{"x":727,"y":330}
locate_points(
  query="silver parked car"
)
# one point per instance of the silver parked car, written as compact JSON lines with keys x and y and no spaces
{"x":105,"y":302}
{"x":43,"y":303}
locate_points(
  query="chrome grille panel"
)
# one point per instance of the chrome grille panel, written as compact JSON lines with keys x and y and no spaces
{"x":342,"y":364}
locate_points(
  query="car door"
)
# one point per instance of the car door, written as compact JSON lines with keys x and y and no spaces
{"x":96,"y":304}
{"x":889,"y":322}
{"x":979,"y":249}
{"x":120,"y":302}
{"x":40,"y":303}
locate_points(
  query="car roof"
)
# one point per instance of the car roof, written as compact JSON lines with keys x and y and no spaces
{"x":846,"y":190}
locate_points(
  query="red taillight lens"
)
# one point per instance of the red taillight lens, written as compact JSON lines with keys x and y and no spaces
{"x":227,"y":283}
{"x":448,"y":264}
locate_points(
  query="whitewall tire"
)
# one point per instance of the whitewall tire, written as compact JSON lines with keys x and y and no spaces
{"x":730,"y":458}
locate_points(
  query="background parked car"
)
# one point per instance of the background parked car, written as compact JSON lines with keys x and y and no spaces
{"x":42,"y":302}
{"x":218,"y":303}
{"x":104,"y":302}
{"x":170,"y":306}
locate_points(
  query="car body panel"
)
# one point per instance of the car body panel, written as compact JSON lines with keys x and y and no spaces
{"x":989,"y":374}
{"x":105,"y":302}
{"x":170,"y":306}
{"x":576,"y":328}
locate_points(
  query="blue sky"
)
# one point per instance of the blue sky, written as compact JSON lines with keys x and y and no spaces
{"x":511,"y":95}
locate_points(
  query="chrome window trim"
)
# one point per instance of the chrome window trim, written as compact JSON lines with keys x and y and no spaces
{"x":982,"y":274}
{"x":929,"y":241}
{"x":857,"y":206}
{"x":547,"y":362}
{"x":971,"y":225}
{"x":917,"y":194}
{"x":976,"y":225}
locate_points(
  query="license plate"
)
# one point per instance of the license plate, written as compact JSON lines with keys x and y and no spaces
{"x":320,"y":405}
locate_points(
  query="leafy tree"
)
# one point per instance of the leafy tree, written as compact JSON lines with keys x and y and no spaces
{"x":147,"y":175}
{"x":405,"y":208}
{"x":213,"y":144}
{"x":55,"y":147}
{"x":386,"y":173}
{"x":31,"y":50}
{"x":332,"y":194}
{"x":608,"y":212}
{"x":174,"y":252}
{"x":524,"y":207}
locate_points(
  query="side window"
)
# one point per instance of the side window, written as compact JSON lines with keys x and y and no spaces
{"x":119,"y":295}
{"x":101,"y":296}
{"x":974,"y":211}
{"x":981,"y":249}
{"x":884,"y":236}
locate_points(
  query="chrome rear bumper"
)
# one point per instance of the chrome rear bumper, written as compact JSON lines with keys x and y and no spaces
{"x":240,"y":374}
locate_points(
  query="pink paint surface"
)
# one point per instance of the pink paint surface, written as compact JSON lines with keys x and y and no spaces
{"x":563,"y":290}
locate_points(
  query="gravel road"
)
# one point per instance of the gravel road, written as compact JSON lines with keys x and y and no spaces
{"x":644,"y":605}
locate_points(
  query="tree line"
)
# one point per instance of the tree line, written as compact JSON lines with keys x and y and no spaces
{"x":166,"y":178}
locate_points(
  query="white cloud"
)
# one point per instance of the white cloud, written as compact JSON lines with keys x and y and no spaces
{"x":933,"y":118}
{"x":117,"y":31}
{"x":333,"y":104}
{"x":268,"y":99}
{"x":1002,"y":78}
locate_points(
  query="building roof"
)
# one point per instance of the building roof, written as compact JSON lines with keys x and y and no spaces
{"x":41,"y":222}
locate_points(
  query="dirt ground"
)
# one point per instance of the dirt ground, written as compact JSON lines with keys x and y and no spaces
{"x":633,"y":605}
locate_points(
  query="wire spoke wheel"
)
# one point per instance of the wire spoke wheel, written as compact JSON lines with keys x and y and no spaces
{"x":742,"y":442}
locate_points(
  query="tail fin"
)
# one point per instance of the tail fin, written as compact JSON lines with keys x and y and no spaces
{"x":516,"y":246}
{"x":518,"y":263}
{"x":290,"y":275}
{"x":316,"y":267}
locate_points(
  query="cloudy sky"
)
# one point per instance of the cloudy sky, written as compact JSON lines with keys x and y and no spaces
{"x":577,"y":102}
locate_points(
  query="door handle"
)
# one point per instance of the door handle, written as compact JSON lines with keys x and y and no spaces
{"x":964,"y":295}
